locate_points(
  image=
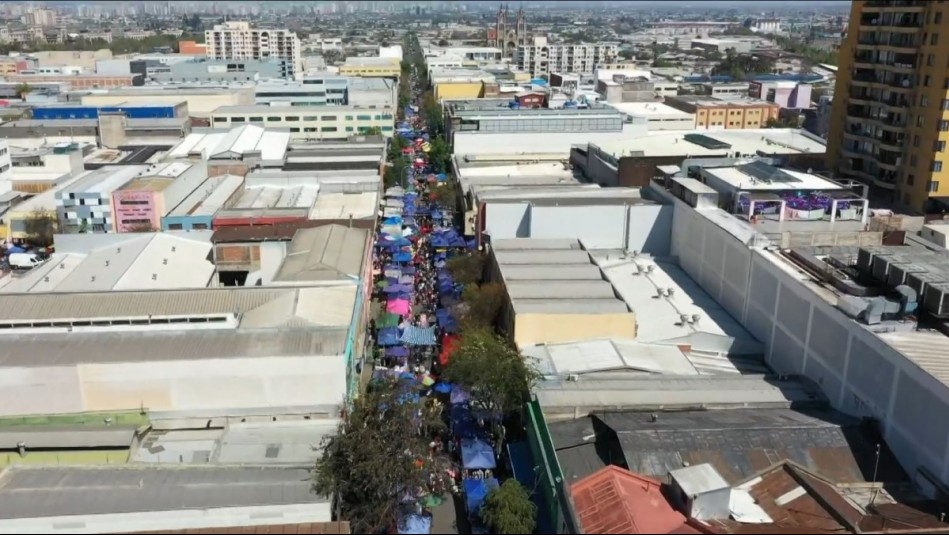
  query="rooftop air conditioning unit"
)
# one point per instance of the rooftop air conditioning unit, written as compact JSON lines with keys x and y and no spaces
{"x":936,"y":300}
{"x":883,"y":263}
{"x":899,"y":272}
{"x":920,"y":281}
{"x":573,"y":378}
{"x":866,"y":254}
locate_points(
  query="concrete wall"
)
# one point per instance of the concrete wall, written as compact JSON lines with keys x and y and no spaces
{"x":215,"y":385}
{"x":804,"y":334}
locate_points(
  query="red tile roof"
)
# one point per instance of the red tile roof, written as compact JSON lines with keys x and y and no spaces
{"x":614,"y":500}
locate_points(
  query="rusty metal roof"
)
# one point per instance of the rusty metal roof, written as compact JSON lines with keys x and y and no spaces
{"x":737,"y":442}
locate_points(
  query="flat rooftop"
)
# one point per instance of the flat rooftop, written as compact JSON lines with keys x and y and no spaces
{"x":650,"y":109}
{"x":744,"y":179}
{"x":673,"y":143}
{"x":42,"y":492}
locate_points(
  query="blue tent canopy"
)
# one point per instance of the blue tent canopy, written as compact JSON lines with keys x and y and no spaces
{"x":402,"y":257}
{"x":442,"y":388}
{"x":397,"y":289}
{"x":415,"y":525}
{"x":477,"y":455}
{"x":419,"y":336}
{"x":476,"y":491}
{"x":463,"y":421}
{"x":397,"y":351}
{"x":388,"y":336}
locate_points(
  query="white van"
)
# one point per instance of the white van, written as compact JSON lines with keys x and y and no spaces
{"x":24,"y":260}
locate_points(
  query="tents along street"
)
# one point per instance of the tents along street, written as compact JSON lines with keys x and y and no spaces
{"x":427,"y":445}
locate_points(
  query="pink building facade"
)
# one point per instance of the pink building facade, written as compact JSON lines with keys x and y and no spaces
{"x":137,"y":209}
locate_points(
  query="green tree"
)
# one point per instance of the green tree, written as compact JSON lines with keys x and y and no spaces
{"x":467,"y":269}
{"x":40,"y":227}
{"x":440,"y":153}
{"x":508,"y":509}
{"x":494,"y":374}
{"x":443,"y":43}
{"x":482,"y":304}
{"x":446,"y":195}
{"x":373,"y":131}
{"x":372,"y":461}
{"x":22,"y":90}
{"x":432,"y":114}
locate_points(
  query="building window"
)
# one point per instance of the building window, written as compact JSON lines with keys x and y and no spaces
{"x":933,"y":186}
{"x":912,"y":160}
{"x":938,"y":19}
{"x":926,"y":80}
{"x":937,"y":166}
{"x":944,"y":126}
{"x":930,"y":60}
{"x":920,"y":121}
{"x":328,"y":129}
{"x":364,"y":117}
{"x":916,"y":141}
{"x":200,"y":226}
{"x":349,"y":129}
{"x":934,"y":39}
{"x":274,"y":119}
{"x":309,"y":129}
{"x":940,"y":146}
{"x":910,"y":178}
{"x":349,"y":117}
{"x":310,"y":119}
{"x":175,"y":226}
{"x":294,"y":130}
{"x":923,"y":101}
{"x":329,"y":118}
{"x":256,"y":119}
{"x":238,"y":119}
{"x":291,"y":119}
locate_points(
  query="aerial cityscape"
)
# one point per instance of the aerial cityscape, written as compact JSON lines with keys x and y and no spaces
{"x":444,"y":267}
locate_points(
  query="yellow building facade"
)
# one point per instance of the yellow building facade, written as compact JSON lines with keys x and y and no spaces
{"x":890,"y":118}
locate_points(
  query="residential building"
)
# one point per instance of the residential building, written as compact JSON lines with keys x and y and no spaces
{"x":723,"y":89}
{"x":236,"y":40}
{"x":540,"y":58}
{"x":891,"y":116}
{"x":718,"y":113}
{"x":8,"y":66}
{"x":143,"y":202}
{"x":338,"y":122}
{"x":787,"y":94}
{"x":371,"y":67}
{"x":40,"y":17}
{"x":462,"y":84}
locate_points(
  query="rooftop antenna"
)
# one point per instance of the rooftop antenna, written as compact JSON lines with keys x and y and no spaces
{"x":876,"y":466}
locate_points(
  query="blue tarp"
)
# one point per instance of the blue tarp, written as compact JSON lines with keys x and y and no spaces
{"x":476,"y":491}
{"x":416,"y":525}
{"x":419,"y":336}
{"x":389,"y":336}
{"x":442,"y":388}
{"x":463,"y":422}
{"x":397,"y":289}
{"x":477,"y":455}
{"x":397,"y":351}
{"x":402,"y":257}
{"x":394,"y":220}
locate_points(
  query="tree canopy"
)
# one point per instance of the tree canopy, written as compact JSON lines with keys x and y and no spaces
{"x":508,"y":509}
{"x":495,"y":375}
{"x":377,"y":456}
{"x":482,"y":304}
{"x":40,"y":227}
{"x":467,"y":269}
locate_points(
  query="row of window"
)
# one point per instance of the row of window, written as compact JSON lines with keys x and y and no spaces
{"x":309,"y":118}
{"x":935,"y":167}
{"x":360,"y":129}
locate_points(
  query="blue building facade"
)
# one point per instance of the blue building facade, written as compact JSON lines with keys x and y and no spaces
{"x":158,"y":111}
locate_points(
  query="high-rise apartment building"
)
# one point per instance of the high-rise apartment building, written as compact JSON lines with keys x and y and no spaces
{"x":541,"y":58}
{"x":237,"y":40}
{"x":890,"y":120}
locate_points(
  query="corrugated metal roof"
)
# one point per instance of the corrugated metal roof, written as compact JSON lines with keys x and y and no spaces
{"x":41,"y":492}
{"x":42,"y":350}
{"x":926,"y":350}
{"x":331,"y":252}
{"x":742,"y":442}
{"x":92,"y":306}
